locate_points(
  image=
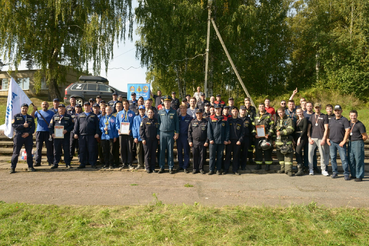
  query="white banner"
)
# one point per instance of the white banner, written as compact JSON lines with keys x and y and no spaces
{"x":16,"y":97}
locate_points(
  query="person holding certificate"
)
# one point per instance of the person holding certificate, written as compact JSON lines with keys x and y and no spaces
{"x":264,"y":130}
{"x":124,"y":124}
{"x":60,"y":127}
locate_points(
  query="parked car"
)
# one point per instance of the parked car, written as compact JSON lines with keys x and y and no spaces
{"x":89,"y":87}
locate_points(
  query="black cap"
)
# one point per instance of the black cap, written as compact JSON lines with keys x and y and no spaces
{"x":115,"y":94}
{"x":173,"y":92}
{"x":231,"y":98}
{"x":61,"y":106}
{"x":96,"y":105}
{"x":98,"y":96}
{"x":243,"y":107}
{"x":56,"y":100}
{"x":198,"y":111}
{"x":337,"y":107}
{"x":87,"y":103}
{"x":72,"y":97}
{"x":102,"y":101}
{"x":167,"y":98}
{"x":91,"y":99}
{"x":78,"y":105}
{"x":120,"y":96}
{"x":218,"y":95}
{"x":202,"y":94}
{"x":133,"y":93}
{"x":207,"y":104}
{"x":24,"y":105}
{"x":226,"y":107}
{"x":217,"y":106}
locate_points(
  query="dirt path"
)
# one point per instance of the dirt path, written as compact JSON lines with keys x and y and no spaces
{"x":95,"y":187}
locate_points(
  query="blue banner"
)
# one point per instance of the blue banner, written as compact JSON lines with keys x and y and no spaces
{"x":141,"y":90}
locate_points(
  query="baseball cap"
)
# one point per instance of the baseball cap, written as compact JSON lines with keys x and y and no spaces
{"x":217,"y":106}
{"x":56,"y":100}
{"x":98,"y":96}
{"x":337,"y":107}
{"x":24,"y":105}
{"x":96,"y":105}
{"x":133,"y":94}
{"x":78,"y":105}
{"x":115,"y":94}
{"x":141,"y":107}
{"x":207,"y":104}
{"x":102,"y":101}
{"x":199,"y":111}
{"x":61,"y":106}
{"x":87,"y":103}
{"x":243,"y":107}
{"x":72,"y":97}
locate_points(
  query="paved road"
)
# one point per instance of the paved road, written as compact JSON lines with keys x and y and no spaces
{"x":95,"y":187}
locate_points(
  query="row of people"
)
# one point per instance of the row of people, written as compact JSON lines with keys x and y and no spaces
{"x":223,"y":130}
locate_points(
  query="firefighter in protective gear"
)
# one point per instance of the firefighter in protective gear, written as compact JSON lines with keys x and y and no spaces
{"x":263,"y":120}
{"x":285,"y":128}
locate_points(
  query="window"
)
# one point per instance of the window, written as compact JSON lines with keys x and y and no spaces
{"x":4,"y":84}
{"x":23,"y":83}
{"x":91,"y":87}
{"x":77,"y":87}
{"x":104,"y":88}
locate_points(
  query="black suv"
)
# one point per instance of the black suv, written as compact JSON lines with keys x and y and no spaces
{"x":89,"y":87}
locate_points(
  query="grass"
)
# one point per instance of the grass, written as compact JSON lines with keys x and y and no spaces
{"x":160,"y":224}
{"x":188,"y":185}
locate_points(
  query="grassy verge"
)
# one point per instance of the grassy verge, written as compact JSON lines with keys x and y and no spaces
{"x":160,"y":224}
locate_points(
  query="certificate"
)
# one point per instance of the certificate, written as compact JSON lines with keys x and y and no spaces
{"x":124,"y":128}
{"x":260,"y":131}
{"x":58,"y":131}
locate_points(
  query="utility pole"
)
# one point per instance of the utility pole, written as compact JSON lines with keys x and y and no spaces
{"x":231,"y":61}
{"x":207,"y":50}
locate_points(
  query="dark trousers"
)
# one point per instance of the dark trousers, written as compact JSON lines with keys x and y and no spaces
{"x":244,"y":152}
{"x":235,"y":149}
{"x":198,"y":152}
{"x":125,"y":142}
{"x":42,"y":137}
{"x":88,"y":150}
{"x":58,"y":145}
{"x":18,"y":142}
{"x":166,"y":143}
{"x":259,"y":154}
{"x":150,"y":153}
{"x":299,"y":148}
{"x":182,"y":144}
{"x":116,"y":152}
{"x":73,"y":145}
{"x":140,"y":153}
{"x":216,"y":151}
{"x":107,"y":147}
{"x":101,"y":153}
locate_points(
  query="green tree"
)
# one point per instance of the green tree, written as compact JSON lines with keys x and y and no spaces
{"x":64,"y":34}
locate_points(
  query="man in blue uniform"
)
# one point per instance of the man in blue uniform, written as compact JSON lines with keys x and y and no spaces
{"x":169,"y":129}
{"x":86,"y":130}
{"x":112,"y":103}
{"x":42,"y":133}
{"x":218,"y":135}
{"x":133,"y":104}
{"x":182,"y":143}
{"x":65,"y":120}
{"x":24,"y":126}
{"x":125,"y":138}
{"x":109,"y":136}
{"x":74,"y":142}
{"x":71,"y":108}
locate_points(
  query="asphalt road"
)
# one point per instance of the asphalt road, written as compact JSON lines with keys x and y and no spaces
{"x":97,"y":187}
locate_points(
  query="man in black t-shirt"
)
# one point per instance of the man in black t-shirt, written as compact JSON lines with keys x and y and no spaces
{"x":317,"y":134}
{"x":356,"y":147}
{"x":339,"y":130}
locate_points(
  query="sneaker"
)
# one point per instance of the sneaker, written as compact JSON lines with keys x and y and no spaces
{"x":311,"y":172}
{"x":237,"y":173}
{"x":210,"y":172}
{"x":12,"y":170}
{"x":334,"y":176}
{"x":356,"y":180}
{"x":325,"y":173}
{"x":346,"y":177}
{"x":161,"y":170}
{"x":54,"y":167}
{"x":31,"y":169}
{"x":69,"y":167}
{"x":202,"y":171}
{"x":130,"y":167}
{"x":219,"y":172}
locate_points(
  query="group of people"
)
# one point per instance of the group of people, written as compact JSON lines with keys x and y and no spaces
{"x":136,"y":128}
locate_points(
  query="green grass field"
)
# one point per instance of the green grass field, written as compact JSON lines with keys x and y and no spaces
{"x":159,"y":224}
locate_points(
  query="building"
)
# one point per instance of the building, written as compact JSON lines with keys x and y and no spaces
{"x":26,"y":80}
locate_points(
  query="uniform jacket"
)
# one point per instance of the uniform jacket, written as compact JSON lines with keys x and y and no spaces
{"x":136,"y":126}
{"x":248,"y":126}
{"x":125,"y":116}
{"x":112,"y":130}
{"x":133,"y":105}
{"x":183,"y":125}
{"x":198,"y":131}
{"x":18,"y":121}
{"x":267,"y":121}
{"x":218,"y":129}
{"x":236,"y":129}
{"x":112,"y":103}
{"x":286,"y":126}
{"x":70,"y":109}
{"x":65,"y":120}
{"x":175,"y":104}
{"x":251,"y":112}
{"x":168,"y":121}
{"x":149,"y":129}
{"x":86,"y":125}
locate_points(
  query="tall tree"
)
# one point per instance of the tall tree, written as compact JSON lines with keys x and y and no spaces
{"x":62,"y":34}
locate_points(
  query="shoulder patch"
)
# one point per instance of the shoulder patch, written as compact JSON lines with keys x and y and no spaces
{"x":82,"y":116}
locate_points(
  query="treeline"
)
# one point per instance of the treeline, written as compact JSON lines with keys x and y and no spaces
{"x":276,"y":45}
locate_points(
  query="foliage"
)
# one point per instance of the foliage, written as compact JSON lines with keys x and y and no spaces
{"x":57,"y":35}
{"x":161,"y":224}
